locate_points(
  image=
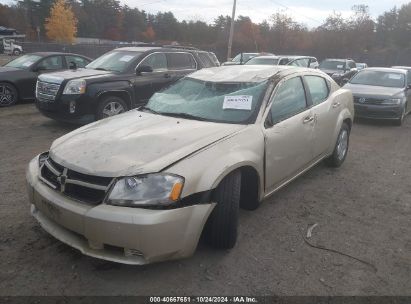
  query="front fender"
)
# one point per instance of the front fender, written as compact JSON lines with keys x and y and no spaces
{"x":97,"y":90}
{"x":204,"y":170}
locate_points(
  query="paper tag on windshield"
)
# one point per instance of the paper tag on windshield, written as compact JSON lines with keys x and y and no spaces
{"x":340,"y":66}
{"x":394,"y":76}
{"x":28,"y":63}
{"x":126,"y":58}
{"x":240,"y":102}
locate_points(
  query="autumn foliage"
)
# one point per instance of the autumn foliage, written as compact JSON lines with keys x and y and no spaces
{"x":61,"y":26}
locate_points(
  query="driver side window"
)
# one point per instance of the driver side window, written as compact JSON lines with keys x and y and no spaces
{"x":157,"y":61}
{"x":289,"y":100}
{"x":51,"y":63}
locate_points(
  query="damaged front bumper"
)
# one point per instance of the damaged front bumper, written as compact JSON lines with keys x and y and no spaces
{"x":119,"y":234}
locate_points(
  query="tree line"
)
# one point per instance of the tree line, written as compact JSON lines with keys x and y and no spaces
{"x":280,"y":33}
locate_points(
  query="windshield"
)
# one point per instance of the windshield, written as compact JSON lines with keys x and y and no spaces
{"x":265,"y":61}
{"x":246,"y":57}
{"x":23,"y":62}
{"x":379,"y":78}
{"x":332,"y":65}
{"x":210,"y":101}
{"x":116,"y":61}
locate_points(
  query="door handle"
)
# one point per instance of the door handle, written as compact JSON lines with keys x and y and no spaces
{"x":336,"y":104}
{"x":308,"y":119}
{"x":167,"y":75}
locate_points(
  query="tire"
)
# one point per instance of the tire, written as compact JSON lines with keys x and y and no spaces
{"x":221,"y":228}
{"x":400,"y":120}
{"x":16,"y":52}
{"x":341,"y":147}
{"x":8,"y":94}
{"x":111,"y":106}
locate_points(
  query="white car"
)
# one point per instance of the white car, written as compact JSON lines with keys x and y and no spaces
{"x":141,"y":187}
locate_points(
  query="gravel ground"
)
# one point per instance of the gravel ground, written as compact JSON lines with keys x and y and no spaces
{"x":362,"y":209}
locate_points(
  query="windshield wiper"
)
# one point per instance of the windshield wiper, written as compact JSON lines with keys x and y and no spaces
{"x":183,"y":115}
{"x":101,"y":69}
{"x":148,"y":109}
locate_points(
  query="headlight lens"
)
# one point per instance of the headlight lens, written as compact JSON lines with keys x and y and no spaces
{"x":76,"y":86}
{"x":392,"y":101}
{"x":43,"y":157}
{"x":146,"y":190}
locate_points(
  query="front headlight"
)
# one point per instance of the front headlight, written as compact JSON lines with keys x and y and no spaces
{"x":392,"y":101}
{"x":76,"y":86}
{"x":146,"y":190}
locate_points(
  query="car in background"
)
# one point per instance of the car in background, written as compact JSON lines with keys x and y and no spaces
{"x":116,"y":82}
{"x":243,"y":58}
{"x":299,"y":61}
{"x":141,"y":187}
{"x":361,"y":66}
{"x":381,"y":93}
{"x":18,"y":77}
{"x":341,"y":70}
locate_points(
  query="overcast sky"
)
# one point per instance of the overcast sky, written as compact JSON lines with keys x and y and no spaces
{"x":312,"y":13}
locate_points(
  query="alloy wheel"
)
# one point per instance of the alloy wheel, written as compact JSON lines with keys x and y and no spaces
{"x":113,"y":108}
{"x":342,"y":145}
{"x":7,"y":95}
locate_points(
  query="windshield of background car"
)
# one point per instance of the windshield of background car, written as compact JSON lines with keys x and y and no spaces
{"x":23,"y":62}
{"x":379,"y":78}
{"x":211,"y":101}
{"x":246,"y":57}
{"x":266,"y":61}
{"x":332,"y":65}
{"x":117,"y":61}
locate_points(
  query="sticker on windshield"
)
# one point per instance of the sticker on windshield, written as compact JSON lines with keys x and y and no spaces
{"x":126,"y":58}
{"x":394,"y":76}
{"x":28,"y":63}
{"x":240,"y":102}
{"x":340,"y":66}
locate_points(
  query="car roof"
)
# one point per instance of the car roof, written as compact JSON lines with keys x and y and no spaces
{"x":138,"y":48}
{"x":401,"y":67}
{"x":266,"y":57}
{"x":396,"y":70}
{"x":241,"y":73}
{"x":53,"y":53}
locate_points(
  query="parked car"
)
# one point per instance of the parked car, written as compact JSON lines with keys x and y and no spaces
{"x":361,"y":66}
{"x":18,"y":77}
{"x":140,"y":187}
{"x":243,"y":58}
{"x":341,"y":70}
{"x":381,"y":93}
{"x":300,"y":61}
{"x":118,"y":81}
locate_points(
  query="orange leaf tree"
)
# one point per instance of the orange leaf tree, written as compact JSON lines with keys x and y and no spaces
{"x":61,"y":26}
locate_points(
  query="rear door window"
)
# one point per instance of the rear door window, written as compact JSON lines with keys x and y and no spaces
{"x":79,"y":61}
{"x":206,"y":60}
{"x":303,"y":62}
{"x":318,"y":88}
{"x":181,"y":61}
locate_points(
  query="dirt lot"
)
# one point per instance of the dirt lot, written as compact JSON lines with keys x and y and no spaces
{"x":362,"y":209}
{"x":5,"y":58}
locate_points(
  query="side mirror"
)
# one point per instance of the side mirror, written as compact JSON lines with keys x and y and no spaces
{"x":72,"y":65}
{"x":144,"y":69}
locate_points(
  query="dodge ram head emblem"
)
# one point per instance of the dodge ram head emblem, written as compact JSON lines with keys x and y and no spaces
{"x":62,"y":180}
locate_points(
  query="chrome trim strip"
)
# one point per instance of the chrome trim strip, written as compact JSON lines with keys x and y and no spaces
{"x":85,"y":184}
{"x":52,"y":169}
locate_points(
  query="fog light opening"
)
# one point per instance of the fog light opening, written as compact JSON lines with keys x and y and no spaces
{"x":72,"y":107}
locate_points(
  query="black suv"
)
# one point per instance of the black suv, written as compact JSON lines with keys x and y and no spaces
{"x":120,"y":80}
{"x":341,"y":70}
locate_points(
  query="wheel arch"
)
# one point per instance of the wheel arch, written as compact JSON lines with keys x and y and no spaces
{"x":123,"y":94}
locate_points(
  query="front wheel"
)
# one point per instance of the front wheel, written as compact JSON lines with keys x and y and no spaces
{"x":111,"y":106}
{"x":341,"y":147}
{"x":16,"y":52}
{"x":221,"y":228}
{"x":8,"y":94}
{"x":400,"y":120}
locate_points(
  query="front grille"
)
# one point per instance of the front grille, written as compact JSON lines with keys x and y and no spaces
{"x":46,"y":91}
{"x":82,"y":187}
{"x":368,"y":100}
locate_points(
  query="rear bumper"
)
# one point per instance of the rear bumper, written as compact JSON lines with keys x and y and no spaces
{"x":118,"y":234}
{"x":389,"y":112}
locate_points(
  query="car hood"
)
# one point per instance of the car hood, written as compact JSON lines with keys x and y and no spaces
{"x":372,"y":91}
{"x":5,"y":69}
{"x":59,"y":77}
{"x":135,"y":143}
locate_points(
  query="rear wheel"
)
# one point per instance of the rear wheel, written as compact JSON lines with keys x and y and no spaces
{"x":221,"y":229}
{"x":16,"y":52}
{"x":341,"y":147}
{"x":111,"y":106}
{"x":8,"y":94}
